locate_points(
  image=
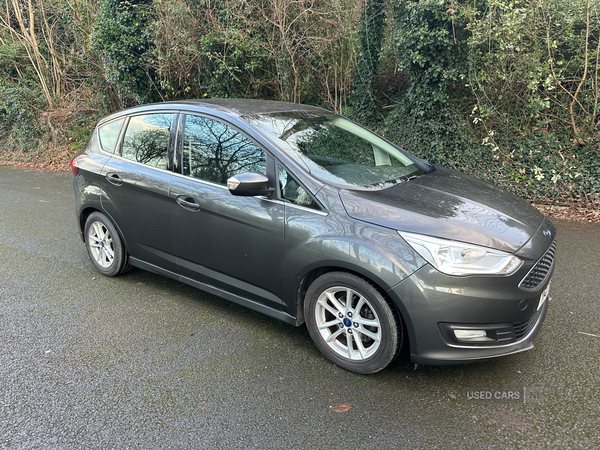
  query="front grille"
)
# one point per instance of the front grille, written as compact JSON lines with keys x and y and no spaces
{"x":539,"y":272}
{"x":523,"y":329}
{"x":505,"y":335}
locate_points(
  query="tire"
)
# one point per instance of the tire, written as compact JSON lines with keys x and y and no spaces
{"x":104,"y":246}
{"x":363,"y":338}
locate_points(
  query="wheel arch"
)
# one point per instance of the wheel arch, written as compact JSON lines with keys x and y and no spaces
{"x":86,"y":212}
{"x":83,"y":216}
{"x":388,"y":294}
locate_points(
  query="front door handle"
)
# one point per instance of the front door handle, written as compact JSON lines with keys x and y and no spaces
{"x":187,"y":202}
{"x":114,"y":178}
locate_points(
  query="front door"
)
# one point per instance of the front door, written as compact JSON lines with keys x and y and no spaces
{"x":229,"y":242}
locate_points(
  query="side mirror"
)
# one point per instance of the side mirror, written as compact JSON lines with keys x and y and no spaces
{"x":249,"y":184}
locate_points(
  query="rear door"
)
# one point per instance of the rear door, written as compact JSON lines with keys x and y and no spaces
{"x":137,"y":188}
{"x":229,"y":242}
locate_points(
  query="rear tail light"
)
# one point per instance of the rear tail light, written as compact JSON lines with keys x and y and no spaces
{"x":74,"y":166}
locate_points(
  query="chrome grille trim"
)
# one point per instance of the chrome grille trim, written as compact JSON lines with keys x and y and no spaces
{"x":539,"y":272}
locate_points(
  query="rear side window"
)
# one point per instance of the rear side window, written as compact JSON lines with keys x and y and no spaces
{"x":213,"y":151}
{"x":109,"y":133}
{"x":147,"y":139}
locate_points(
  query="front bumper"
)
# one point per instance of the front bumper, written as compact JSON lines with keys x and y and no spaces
{"x":434,"y":304}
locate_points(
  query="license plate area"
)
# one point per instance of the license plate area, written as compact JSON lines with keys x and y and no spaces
{"x":544,"y":295}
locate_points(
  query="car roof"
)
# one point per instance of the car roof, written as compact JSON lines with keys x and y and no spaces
{"x":251,"y":106}
{"x":232,"y":106}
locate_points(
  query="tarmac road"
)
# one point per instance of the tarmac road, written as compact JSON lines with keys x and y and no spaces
{"x":141,"y":361}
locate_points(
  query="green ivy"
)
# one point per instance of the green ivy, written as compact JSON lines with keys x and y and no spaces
{"x":365,"y":104}
{"x":20,"y":126}
{"x":122,"y":38}
{"x":430,"y":40}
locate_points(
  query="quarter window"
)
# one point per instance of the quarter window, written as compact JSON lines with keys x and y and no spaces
{"x":293,"y":191}
{"x":92,"y":146}
{"x":109,"y":133}
{"x":147,"y":139}
{"x":213,"y":151}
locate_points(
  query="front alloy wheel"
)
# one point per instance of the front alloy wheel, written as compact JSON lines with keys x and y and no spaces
{"x":348,"y":323}
{"x":352,"y":323}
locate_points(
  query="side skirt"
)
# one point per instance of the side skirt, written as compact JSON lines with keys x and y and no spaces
{"x":276,"y":314}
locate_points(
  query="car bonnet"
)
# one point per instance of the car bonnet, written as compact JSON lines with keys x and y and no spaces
{"x":451,"y":205}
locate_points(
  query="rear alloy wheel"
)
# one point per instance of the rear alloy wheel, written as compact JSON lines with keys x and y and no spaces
{"x":351,"y":322}
{"x":104,"y":245}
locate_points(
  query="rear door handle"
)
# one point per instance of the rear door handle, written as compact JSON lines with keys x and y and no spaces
{"x":187,"y":202}
{"x":114,"y":178}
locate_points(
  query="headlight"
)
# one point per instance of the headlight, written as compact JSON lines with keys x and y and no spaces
{"x":457,"y":258}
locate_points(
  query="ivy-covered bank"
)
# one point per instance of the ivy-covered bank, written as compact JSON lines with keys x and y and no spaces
{"x":507,"y":91}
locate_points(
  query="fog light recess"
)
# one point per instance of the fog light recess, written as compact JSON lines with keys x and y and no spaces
{"x":469,"y":335}
{"x":478,"y":334}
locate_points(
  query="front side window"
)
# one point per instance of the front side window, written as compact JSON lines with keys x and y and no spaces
{"x":147,"y":139}
{"x":213,"y":151}
{"x":109,"y":133}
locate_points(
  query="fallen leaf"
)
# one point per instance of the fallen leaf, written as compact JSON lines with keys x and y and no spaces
{"x":588,"y":334}
{"x":342,"y":407}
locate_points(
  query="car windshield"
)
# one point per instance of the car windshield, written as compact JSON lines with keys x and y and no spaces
{"x":336,"y":150}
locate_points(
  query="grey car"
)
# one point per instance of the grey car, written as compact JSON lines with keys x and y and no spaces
{"x":307,"y":217}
